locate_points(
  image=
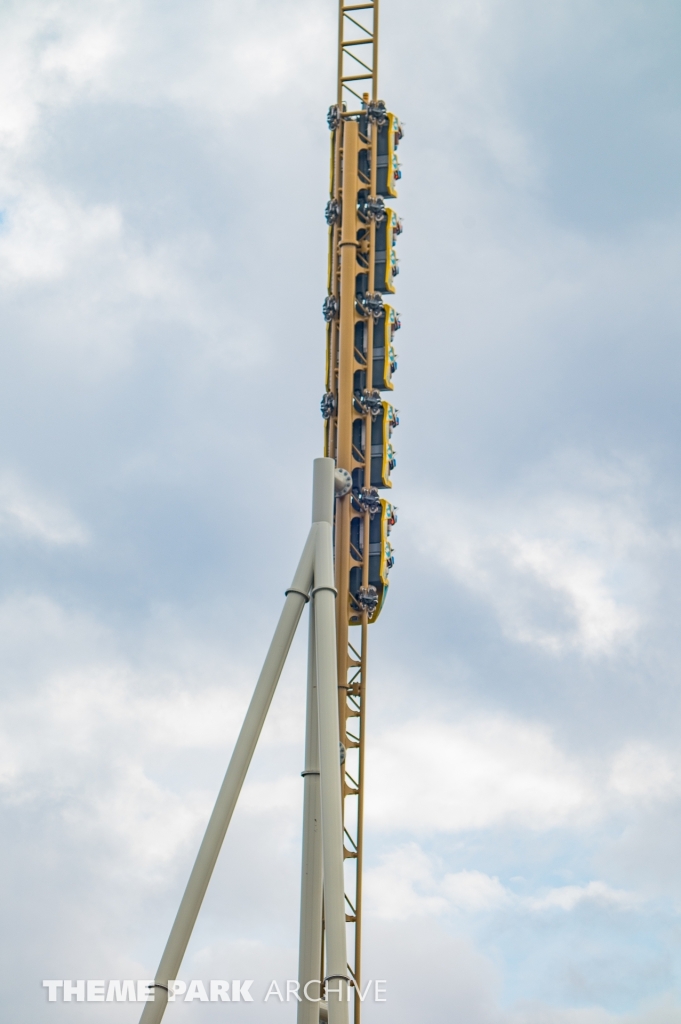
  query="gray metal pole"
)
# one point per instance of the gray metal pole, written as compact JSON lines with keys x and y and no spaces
{"x":296,"y":597}
{"x":324,"y":593}
{"x":310,"y":945}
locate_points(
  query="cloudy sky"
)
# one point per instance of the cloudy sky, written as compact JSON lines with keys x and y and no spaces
{"x":163,"y":174}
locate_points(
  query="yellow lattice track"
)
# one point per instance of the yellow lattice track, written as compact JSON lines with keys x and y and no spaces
{"x":350,"y":425}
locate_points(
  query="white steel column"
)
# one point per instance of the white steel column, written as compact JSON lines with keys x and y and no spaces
{"x":324,"y":594}
{"x":296,"y":597}
{"x":310,"y":946}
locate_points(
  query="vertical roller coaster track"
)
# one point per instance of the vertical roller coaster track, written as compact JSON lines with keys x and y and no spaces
{"x":359,"y":422}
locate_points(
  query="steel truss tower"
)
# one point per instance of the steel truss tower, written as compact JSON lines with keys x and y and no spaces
{"x":359,"y":422}
{"x":343,"y":570}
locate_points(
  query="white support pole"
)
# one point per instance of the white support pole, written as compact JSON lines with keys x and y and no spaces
{"x":324,"y":594}
{"x":296,"y":597}
{"x":310,"y":945}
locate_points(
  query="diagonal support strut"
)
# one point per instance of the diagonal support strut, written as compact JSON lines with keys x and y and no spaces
{"x":315,"y":567}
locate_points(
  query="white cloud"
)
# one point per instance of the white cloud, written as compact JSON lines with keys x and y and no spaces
{"x":659,"y":1011}
{"x":435,"y":776}
{"x":640,"y":769}
{"x":101,"y":742}
{"x":403,"y":886}
{"x":51,"y":52}
{"x":138,"y":825}
{"x":27,"y":514}
{"x":79,"y":711}
{"x":44,"y":235}
{"x":567,"y":897}
{"x":242,"y":66}
{"x":474,"y":891}
{"x":410,"y":883}
{"x":98,"y":760}
{"x":55,"y":55}
{"x":563,"y":568}
{"x":58,"y":53}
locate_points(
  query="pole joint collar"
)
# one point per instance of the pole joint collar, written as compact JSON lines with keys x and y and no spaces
{"x":294,"y":590}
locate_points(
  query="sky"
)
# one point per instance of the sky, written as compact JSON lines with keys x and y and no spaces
{"x":163,"y":176}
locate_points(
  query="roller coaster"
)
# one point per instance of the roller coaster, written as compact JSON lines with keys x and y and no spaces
{"x":344,"y":568}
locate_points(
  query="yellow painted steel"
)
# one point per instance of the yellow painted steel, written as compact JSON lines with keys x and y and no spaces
{"x":360,"y":362}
